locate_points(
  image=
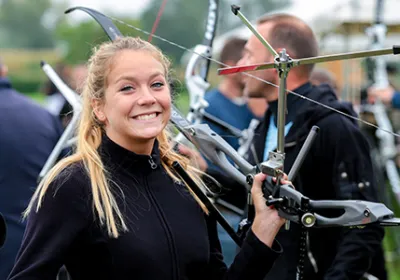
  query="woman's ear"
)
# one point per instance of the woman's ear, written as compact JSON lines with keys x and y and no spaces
{"x":98,"y":110}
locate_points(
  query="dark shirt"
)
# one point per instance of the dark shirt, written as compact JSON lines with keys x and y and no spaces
{"x":238,"y":116}
{"x":169,"y":235}
{"x":28,"y":134}
{"x":396,"y":100}
{"x":337,"y":164}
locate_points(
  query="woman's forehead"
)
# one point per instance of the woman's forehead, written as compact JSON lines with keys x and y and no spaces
{"x":132,"y":59}
{"x":135,"y":65}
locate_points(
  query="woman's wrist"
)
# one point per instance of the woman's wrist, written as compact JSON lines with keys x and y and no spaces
{"x":265,"y":231}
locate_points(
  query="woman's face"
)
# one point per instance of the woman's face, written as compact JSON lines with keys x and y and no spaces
{"x":137,"y":104}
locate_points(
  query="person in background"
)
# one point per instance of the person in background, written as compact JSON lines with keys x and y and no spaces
{"x":323,"y":76}
{"x":336,"y":165}
{"x":226,"y":102}
{"x":258,"y":106}
{"x":28,"y":134}
{"x":389,"y":96}
{"x":78,"y":77}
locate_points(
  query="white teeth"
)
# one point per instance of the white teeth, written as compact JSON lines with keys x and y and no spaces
{"x":147,"y":117}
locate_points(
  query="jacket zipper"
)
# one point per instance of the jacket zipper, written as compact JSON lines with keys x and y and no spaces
{"x":153,"y":165}
{"x":171,"y":243}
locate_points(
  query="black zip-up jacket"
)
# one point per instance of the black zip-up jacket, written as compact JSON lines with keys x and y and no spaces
{"x":169,"y":235}
{"x":338,"y":166}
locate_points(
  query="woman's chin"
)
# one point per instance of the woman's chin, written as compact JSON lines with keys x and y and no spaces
{"x":148,"y":134}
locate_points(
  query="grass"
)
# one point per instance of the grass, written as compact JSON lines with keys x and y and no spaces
{"x":391,"y":234}
{"x":27,"y":61}
{"x":393,"y":270}
{"x":392,"y":261}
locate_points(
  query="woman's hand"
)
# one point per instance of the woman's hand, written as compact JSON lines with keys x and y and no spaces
{"x":267,"y":221}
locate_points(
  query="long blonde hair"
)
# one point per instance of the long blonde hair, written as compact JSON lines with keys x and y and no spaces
{"x":90,"y":133}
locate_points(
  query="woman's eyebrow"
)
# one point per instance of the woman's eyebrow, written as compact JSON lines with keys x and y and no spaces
{"x":133,"y":78}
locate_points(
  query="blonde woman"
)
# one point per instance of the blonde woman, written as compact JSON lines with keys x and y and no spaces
{"x":115,"y":209}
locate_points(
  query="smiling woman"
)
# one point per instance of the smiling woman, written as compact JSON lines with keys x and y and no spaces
{"x":137,"y":103}
{"x":116,"y":209}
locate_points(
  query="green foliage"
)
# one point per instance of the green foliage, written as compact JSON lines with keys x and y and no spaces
{"x":182,"y":22}
{"x":181,"y":100}
{"x":80,"y":39}
{"x":24,"y":67}
{"x":21,"y":24}
{"x":25,"y":85}
{"x":36,"y":96}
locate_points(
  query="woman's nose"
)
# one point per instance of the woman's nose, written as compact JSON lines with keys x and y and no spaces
{"x":146,"y":97}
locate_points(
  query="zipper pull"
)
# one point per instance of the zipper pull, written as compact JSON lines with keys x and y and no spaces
{"x":153,"y":165}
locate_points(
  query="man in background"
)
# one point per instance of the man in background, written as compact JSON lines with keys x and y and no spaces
{"x":323,"y":76}
{"x":338,"y":165}
{"x":226,"y":102}
{"x":28,"y":134}
{"x":78,"y":77}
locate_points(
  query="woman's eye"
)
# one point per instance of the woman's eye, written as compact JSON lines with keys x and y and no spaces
{"x":127,"y":88}
{"x":157,"y":85}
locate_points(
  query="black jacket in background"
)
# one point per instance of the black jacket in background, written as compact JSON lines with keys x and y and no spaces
{"x":28,"y":134}
{"x":169,"y":236}
{"x":337,"y":163}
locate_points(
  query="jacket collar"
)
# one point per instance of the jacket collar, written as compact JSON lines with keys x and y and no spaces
{"x":115,"y":156}
{"x":293,"y":103}
{"x":4,"y":83}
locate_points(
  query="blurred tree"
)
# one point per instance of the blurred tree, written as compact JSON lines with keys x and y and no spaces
{"x":79,"y":40}
{"x":183,"y":21}
{"x":22,"y":26}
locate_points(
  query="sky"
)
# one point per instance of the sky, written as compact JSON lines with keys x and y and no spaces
{"x":128,"y":7}
{"x":135,"y":7}
{"x":304,"y":8}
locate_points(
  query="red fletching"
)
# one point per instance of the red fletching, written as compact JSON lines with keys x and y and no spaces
{"x":244,"y":68}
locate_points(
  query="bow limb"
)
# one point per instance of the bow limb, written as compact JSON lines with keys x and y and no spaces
{"x":105,"y":22}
